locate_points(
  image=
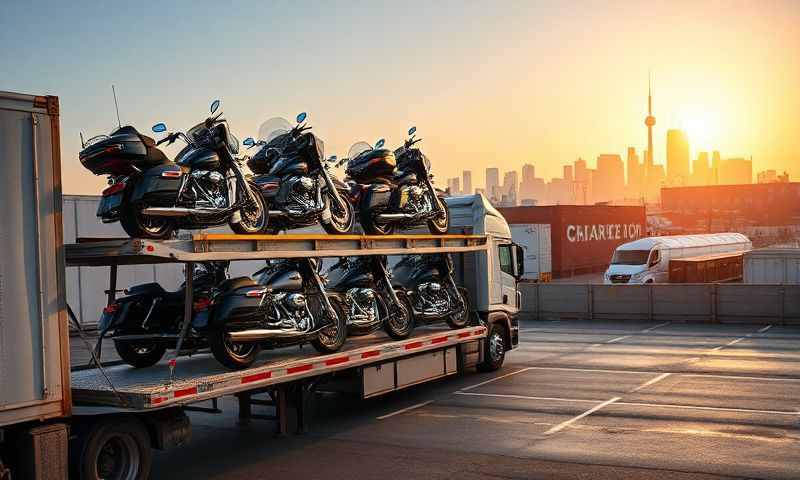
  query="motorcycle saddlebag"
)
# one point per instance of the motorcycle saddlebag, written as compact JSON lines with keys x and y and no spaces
{"x":121,"y":153}
{"x":233,"y":302}
{"x":371,"y":164}
{"x":158,"y":186}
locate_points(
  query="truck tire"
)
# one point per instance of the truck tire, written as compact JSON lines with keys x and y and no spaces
{"x":140,"y":354}
{"x":111,"y":448}
{"x":236,"y":356}
{"x":494,"y":349}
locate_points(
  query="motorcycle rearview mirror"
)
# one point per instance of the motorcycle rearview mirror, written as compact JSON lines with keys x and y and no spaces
{"x":380,"y":143}
{"x":159,"y":127}
{"x":412,"y":131}
{"x":248,"y":142}
{"x":214,"y":106}
{"x":301,"y":117}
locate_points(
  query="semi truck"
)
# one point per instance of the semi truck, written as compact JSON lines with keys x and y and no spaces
{"x":104,"y":422}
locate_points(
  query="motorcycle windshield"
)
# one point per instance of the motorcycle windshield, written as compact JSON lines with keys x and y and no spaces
{"x":273,"y":128}
{"x":357,"y":149}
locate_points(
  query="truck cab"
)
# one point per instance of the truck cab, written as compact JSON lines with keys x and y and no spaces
{"x":491,"y":277}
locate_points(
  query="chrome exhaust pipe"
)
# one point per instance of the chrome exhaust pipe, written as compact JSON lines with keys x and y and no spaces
{"x":259,"y":334}
{"x":179,"y":212}
{"x":146,"y":336}
{"x":390,"y":217}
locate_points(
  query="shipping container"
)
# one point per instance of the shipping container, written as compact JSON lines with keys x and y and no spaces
{"x":535,"y":241}
{"x":772,"y":266}
{"x":34,"y":343}
{"x":583,"y":237}
{"x":721,"y":267}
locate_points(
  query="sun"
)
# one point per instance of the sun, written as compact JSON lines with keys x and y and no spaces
{"x":701,"y":126}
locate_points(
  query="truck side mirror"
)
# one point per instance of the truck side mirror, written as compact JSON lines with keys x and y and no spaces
{"x":519,"y":262}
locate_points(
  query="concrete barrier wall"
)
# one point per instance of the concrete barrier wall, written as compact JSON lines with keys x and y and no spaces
{"x":716,"y":303}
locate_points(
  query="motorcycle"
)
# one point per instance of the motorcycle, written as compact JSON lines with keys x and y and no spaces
{"x":152,"y":196}
{"x":428,"y":283}
{"x":362,"y":287}
{"x":395,"y":189}
{"x":295,"y":180}
{"x":148,"y":319}
{"x":287,"y":305}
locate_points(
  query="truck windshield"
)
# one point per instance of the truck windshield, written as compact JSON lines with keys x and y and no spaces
{"x":630,"y":257}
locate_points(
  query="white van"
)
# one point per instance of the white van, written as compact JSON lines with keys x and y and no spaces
{"x":647,"y":260}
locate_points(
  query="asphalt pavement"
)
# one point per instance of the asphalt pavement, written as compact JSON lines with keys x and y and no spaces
{"x":587,"y":400}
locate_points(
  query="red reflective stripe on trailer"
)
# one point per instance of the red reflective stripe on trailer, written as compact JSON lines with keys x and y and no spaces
{"x":301,"y":368}
{"x":373,"y":353}
{"x":185,"y":392}
{"x":157,"y":400}
{"x":413,"y":345}
{"x":438,"y":340}
{"x":464,"y":334}
{"x":256,"y":377}
{"x":336,"y":361}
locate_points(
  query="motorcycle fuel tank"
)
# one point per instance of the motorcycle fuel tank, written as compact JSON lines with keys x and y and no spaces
{"x":287,"y":280}
{"x":198,"y":158}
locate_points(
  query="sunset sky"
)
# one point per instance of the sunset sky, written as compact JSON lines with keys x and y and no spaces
{"x":486,"y":83}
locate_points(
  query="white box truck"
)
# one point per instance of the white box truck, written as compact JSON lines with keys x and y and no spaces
{"x":534,"y":238}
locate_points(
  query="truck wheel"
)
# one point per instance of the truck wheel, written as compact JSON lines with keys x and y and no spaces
{"x":460,"y":318}
{"x":494,"y":349}
{"x":400,"y":325}
{"x":234,"y":355}
{"x":140,"y":354}
{"x":112,"y":448}
{"x":332,"y":338}
{"x":137,"y":225}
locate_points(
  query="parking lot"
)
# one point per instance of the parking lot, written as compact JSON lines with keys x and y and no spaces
{"x":576,"y":400}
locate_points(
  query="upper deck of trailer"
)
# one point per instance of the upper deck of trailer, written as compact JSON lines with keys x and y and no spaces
{"x":209,"y":247}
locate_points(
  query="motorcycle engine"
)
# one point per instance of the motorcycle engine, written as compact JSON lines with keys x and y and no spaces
{"x":302,"y":197}
{"x":208,"y":189}
{"x":432,"y":298}
{"x":292,"y":311}
{"x":362,"y":306}
{"x":412,"y":199}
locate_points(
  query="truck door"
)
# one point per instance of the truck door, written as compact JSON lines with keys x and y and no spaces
{"x":508,"y":284}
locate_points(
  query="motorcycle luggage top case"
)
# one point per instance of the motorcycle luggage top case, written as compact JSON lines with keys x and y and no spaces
{"x":121,"y":153}
{"x":371,"y":164}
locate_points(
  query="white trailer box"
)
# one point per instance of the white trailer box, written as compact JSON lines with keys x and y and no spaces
{"x":534,"y":238}
{"x":772,"y":266}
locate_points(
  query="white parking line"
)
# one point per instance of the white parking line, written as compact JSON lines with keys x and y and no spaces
{"x":404,"y":410}
{"x":765,"y":329}
{"x":495,"y":378}
{"x":651,"y":382}
{"x":572,"y":420}
{"x":524,"y":397}
{"x":713,"y":409}
{"x":646,"y":330}
{"x":618,"y":339}
{"x":599,"y":370}
{"x":644,"y":372}
{"x":732,"y":342}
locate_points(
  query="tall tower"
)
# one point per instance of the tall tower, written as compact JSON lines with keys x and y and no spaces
{"x":650,"y":121}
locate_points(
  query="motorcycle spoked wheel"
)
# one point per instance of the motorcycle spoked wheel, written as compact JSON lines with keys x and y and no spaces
{"x":460,"y":318}
{"x":342,"y":220}
{"x":399,"y":323}
{"x":254,"y":217}
{"x":331,"y":338}
{"x":441,"y":223}
{"x":140,"y":354}
{"x":369,"y":223}
{"x":234,"y":355}
{"x":137,"y":225}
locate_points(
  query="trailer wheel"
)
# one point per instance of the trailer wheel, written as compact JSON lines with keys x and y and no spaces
{"x":494,"y":349}
{"x":112,"y":449}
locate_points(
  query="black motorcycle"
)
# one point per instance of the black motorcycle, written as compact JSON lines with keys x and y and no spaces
{"x":152,"y":196}
{"x":148,"y":319}
{"x":294,"y":178}
{"x":395,"y":189}
{"x":427,"y":281}
{"x":363,"y":289}
{"x":288,"y":305}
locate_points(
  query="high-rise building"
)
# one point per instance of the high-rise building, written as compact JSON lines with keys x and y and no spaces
{"x":701,"y":170}
{"x":493,"y":183}
{"x":466,"y":184}
{"x":736,"y":171}
{"x":609,"y":178}
{"x":635,"y":174}
{"x":677,"y":158}
{"x":453,"y":186}
{"x":568,"y":173}
{"x":511,"y":186}
{"x":527,"y":188}
{"x":767,"y":176}
{"x":583,"y":182}
{"x":716,"y":160}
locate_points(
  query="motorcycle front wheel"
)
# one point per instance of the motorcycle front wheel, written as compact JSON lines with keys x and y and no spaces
{"x":441,"y":223}
{"x":342,"y":219}
{"x":254,"y":216}
{"x":460,"y":318}
{"x":399,"y":322}
{"x":234,"y":355}
{"x":332,"y":338}
{"x":137,"y":225}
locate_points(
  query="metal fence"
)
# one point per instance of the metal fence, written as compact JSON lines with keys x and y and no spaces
{"x":707,"y":302}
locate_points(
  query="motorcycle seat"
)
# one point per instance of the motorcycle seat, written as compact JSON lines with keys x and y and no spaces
{"x":156,"y":290}
{"x":236,"y":282}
